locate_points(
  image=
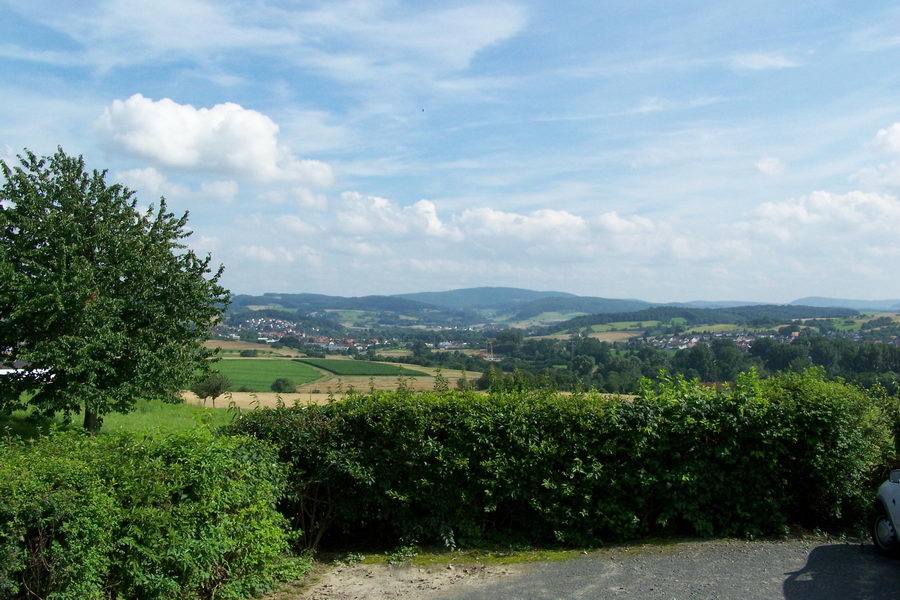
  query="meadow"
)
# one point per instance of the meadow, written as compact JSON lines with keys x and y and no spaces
{"x":257,"y":375}
{"x":361,"y":368}
{"x":147,"y":416}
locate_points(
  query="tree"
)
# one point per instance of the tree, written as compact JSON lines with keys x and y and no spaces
{"x":211,"y":388}
{"x":104,"y":303}
{"x":283,"y":385}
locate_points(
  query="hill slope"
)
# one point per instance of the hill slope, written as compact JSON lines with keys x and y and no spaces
{"x":876,"y":305}
{"x":501,"y":298}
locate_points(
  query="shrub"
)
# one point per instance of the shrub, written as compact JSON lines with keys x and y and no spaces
{"x":283,"y":385}
{"x":537,"y":467}
{"x":55,"y":539}
{"x":182,"y":516}
{"x":249,"y":353}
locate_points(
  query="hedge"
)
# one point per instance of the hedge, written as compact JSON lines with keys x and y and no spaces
{"x":745,"y":459}
{"x":181,"y":516}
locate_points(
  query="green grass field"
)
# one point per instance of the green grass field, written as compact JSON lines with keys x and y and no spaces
{"x":257,"y":375}
{"x":147,"y":416}
{"x":360,"y":367}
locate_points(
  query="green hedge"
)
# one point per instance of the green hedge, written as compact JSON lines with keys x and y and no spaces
{"x":539,"y":467}
{"x":181,"y":516}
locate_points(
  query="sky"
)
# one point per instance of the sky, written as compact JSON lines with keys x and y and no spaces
{"x":668,"y":151}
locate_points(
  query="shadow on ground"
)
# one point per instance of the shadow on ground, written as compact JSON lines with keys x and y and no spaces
{"x":844,"y":572}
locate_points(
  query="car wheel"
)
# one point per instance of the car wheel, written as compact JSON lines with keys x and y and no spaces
{"x":884,"y":536}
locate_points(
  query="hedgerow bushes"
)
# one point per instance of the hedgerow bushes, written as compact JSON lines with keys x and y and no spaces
{"x":535,"y":466}
{"x":182,"y":516}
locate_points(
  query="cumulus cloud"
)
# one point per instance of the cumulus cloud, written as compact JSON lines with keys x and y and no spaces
{"x":888,"y":139}
{"x":769,"y":165}
{"x":611,"y":222}
{"x":225,"y":138}
{"x":149,"y":184}
{"x":542,"y":225}
{"x":868,"y":218}
{"x":761,"y":61}
{"x":362,"y":215}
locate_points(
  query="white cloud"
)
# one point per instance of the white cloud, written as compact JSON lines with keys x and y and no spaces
{"x":761,"y":61}
{"x":821,"y":219}
{"x":888,"y":139}
{"x":225,"y":138}
{"x":149,"y":184}
{"x":220,"y":191}
{"x":368,"y":215}
{"x":611,"y":222}
{"x":447,"y":38}
{"x":279,"y":254}
{"x":294,"y":224}
{"x":545,"y":225}
{"x":124,"y":32}
{"x":769,"y":165}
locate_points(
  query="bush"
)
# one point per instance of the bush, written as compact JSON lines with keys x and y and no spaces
{"x":249,"y":353}
{"x":182,"y":516}
{"x":283,"y":385}
{"x":538,"y":467}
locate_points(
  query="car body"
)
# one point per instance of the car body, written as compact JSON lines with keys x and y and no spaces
{"x":885,"y":521}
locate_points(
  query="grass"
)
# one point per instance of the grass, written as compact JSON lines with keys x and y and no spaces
{"x":360,"y":367}
{"x":258,"y":375}
{"x":147,"y":416}
{"x":427,"y":557}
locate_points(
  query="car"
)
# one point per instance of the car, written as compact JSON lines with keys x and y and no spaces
{"x":885,"y":519}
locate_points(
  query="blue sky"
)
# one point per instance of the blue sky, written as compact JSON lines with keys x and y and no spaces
{"x":659,"y":150}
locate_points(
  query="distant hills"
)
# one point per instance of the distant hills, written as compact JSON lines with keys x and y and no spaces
{"x":738,"y":315}
{"x":498,"y":298}
{"x":873,"y":305}
{"x":505,"y":305}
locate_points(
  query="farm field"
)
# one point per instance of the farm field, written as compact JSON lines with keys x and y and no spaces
{"x":257,"y":374}
{"x":233,"y":348}
{"x":545,"y":318}
{"x":362,"y":367}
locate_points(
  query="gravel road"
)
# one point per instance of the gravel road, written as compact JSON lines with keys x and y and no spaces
{"x":804,"y":569}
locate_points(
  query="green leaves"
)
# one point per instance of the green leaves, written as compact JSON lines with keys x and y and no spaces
{"x":104,"y":303}
{"x":183,"y":516}
{"x":538,"y":467}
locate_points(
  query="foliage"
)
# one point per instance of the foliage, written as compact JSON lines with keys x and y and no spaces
{"x":283,"y":386}
{"x":535,"y":466}
{"x":360,"y":367}
{"x":118,"y":516}
{"x":211,"y":387}
{"x":104,"y":304}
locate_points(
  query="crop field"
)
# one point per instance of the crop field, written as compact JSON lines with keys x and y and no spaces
{"x":257,"y":375}
{"x":361,"y":367}
{"x":234,"y":347}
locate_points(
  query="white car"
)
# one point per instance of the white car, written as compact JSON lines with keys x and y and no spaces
{"x":886,"y":516}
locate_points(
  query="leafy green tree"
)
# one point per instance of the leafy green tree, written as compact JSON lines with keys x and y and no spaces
{"x":282,"y":385}
{"x":211,"y":387}
{"x":104,"y":303}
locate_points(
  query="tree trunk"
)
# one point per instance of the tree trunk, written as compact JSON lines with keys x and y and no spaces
{"x":91,"y":421}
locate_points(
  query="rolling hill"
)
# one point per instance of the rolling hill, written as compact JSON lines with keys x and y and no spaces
{"x":875,"y":305}
{"x":499,"y":298}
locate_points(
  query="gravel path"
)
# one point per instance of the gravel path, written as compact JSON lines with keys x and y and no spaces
{"x":718,"y":569}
